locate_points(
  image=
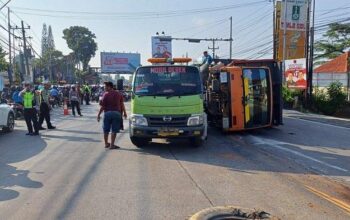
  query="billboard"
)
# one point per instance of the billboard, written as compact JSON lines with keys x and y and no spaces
{"x":296,"y":15}
{"x":295,"y":73}
{"x":119,"y":62}
{"x":161,"y":48}
{"x":295,"y":45}
{"x":295,"y":37}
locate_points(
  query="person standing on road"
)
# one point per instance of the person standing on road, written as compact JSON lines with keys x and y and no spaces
{"x":74,"y":100}
{"x":87,"y":93}
{"x":111,"y":105}
{"x":30,"y":112}
{"x":45,"y":107}
{"x":123,"y":109}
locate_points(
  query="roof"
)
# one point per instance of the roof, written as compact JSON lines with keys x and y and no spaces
{"x":340,"y":64}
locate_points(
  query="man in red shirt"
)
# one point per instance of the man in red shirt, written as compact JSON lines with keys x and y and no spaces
{"x":112,"y":105}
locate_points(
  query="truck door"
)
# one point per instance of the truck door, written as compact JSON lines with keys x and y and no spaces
{"x":257,"y":97}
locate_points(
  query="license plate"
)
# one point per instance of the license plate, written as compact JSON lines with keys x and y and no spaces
{"x":166,"y":132}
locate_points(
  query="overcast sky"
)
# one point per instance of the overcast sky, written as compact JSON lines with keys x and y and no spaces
{"x":127,"y":25}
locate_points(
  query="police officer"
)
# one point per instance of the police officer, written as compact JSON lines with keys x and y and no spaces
{"x":30,"y":112}
{"x":87,"y":93}
{"x":45,"y":107}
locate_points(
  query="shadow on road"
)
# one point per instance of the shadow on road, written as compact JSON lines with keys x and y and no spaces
{"x":71,"y":138}
{"x":16,"y":147}
{"x":239,"y":153}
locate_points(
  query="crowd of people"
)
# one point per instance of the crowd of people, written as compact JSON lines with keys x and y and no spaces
{"x":36,"y":101}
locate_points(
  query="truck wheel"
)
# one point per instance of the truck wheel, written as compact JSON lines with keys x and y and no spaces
{"x":196,"y":142}
{"x":10,"y":123}
{"x":140,"y":142}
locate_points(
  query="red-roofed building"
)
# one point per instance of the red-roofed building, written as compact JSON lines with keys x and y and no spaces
{"x":334,"y":70}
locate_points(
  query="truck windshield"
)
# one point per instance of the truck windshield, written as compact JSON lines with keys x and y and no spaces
{"x":167,"y":81}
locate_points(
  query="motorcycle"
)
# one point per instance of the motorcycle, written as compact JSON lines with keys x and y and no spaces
{"x":18,"y":109}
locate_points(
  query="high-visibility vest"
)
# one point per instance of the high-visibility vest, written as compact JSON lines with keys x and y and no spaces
{"x":28,"y":99}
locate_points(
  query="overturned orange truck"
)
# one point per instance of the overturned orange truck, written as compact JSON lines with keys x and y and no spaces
{"x":243,"y":94}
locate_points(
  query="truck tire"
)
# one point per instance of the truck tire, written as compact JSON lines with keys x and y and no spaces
{"x":140,"y":142}
{"x":196,"y":142}
{"x":10,"y":123}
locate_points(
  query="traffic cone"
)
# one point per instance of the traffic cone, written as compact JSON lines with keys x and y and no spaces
{"x":65,"y":108}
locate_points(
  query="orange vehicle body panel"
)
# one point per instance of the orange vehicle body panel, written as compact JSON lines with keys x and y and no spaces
{"x":238,"y":108}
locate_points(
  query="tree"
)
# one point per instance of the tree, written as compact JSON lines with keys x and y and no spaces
{"x":336,"y":42}
{"x":81,"y":41}
{"x":50,"y":40}
{"x":44,"y":40}
{"x":3,"y":63}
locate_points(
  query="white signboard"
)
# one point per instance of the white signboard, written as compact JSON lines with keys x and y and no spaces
{"x":120,"y":62}
{"x":161,"y":47}
{"x":296,"y":14}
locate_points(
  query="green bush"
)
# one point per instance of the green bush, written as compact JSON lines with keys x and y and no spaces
{"x":329,"y":102}
{"x":287,"y":95}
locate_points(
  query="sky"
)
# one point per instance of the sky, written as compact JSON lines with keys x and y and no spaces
{"x":127,"y":25}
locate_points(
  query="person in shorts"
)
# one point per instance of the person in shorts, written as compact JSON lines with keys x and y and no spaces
{"x":112,"y":106}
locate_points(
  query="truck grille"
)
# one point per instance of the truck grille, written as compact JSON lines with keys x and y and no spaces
{"x":176,"y":121}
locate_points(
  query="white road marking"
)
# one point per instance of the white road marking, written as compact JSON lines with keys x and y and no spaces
{"x":318,"y":123}
{"x":277,"y":144}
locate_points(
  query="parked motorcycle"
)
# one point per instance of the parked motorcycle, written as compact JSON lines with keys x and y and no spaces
{"x":18,"y":110}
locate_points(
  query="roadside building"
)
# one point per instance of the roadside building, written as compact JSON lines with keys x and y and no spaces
{"x":334,"y":70}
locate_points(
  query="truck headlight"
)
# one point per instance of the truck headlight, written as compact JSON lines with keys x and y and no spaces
{"x":138,"y":120}
{"x":195,"y":120}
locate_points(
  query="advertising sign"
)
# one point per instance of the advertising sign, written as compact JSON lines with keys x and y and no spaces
{"x":161,"y":48}
{"x":295,"y":73}
{"x":295,"y":45}
{"x":295,"y":39}
{"x":296,"y":14}
{"x":119,"y":62}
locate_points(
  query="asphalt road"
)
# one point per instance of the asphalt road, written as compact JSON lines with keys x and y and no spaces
{"x":297,"y":171}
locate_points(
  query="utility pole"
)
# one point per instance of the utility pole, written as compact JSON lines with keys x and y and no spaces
{"x":27,"y":72}
{"x":274,"y":30}
{"x":311,"y":58}
{"x":284,"y":40}
{"x":307,"y":55}
{"x":10,"y":52}
{"x":231,"y":40}
{"x":213,"y":48}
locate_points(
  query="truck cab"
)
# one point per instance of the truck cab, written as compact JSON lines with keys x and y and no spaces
{"x":167,"y":102}
{"x":244,"y":95}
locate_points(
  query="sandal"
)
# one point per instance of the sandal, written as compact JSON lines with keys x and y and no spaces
{"x":114,"y":147}
{"x":108,"y":145}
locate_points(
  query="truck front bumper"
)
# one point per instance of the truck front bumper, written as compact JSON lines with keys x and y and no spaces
{"x":163,"y":132}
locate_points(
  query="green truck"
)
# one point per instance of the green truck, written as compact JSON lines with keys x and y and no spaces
{"x":167,"y":102}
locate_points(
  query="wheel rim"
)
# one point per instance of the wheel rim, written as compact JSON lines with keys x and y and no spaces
{"x":11,"y":122}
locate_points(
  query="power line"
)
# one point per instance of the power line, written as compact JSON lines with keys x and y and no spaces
{"x":130,"y":15}
{"x":146,"y":13}
{"x":5,"y":4}
{"x":198,"y":26}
